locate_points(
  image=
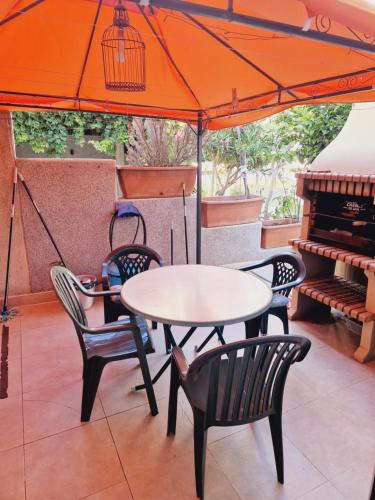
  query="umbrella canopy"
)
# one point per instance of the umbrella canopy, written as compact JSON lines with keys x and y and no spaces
{"x":232,"y":61}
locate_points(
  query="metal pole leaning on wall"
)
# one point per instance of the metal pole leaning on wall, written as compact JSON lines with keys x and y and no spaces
{"x":199,"y":189}
{"x":40,"y":217}
{"x":5,"y":313}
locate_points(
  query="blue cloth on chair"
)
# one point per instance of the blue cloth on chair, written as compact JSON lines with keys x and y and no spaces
{"x":279,"y":300}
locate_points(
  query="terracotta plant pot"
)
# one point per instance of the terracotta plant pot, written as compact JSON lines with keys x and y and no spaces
{"x":230,"y":210}
{"x":156,"y":182}
{"x":277,"y":232}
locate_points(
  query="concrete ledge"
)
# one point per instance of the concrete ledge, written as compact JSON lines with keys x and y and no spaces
{"x":29,"y":299}
{"x":223,"y":245}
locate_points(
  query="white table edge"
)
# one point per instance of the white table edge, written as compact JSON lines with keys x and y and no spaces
{"x":158,"y":319}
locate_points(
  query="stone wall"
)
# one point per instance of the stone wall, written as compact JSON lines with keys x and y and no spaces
{"x":19,"y":271}
{"x":220,"y":245}
{"x":76,"y":198}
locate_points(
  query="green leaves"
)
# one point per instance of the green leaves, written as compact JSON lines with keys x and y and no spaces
{"x":299,"y":134}
{"x":48,"y":132}
{"x":312,"y":128}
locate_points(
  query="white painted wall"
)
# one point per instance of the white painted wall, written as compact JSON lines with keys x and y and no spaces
{"x":353,"y":150}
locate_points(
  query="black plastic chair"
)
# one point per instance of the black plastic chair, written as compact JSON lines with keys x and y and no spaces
{"x":235,"y":384}
{"x":288,"y":272}
{"x":120,"y":265}
{"x":101,"y":345}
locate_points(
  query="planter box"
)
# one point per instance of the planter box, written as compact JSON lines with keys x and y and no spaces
{"x":230,"y":210}
{"x":156,"y":182}
{"x":277,"y":232}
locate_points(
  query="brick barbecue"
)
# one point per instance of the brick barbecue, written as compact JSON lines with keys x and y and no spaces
{"x":338,"y":225}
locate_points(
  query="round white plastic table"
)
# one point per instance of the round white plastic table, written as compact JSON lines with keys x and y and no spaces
{"x":196,"y":295}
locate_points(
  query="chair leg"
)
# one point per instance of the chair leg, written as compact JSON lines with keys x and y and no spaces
{"x":154,"y":325}
{"x":200,"y":445}
{"x":145,"y":372}
{"x":168,"y":346}
{"x":277,"y":441}
{"x":173,"y":395}
{"x":264,"y":323}
{"x":282,"y":314}
{"x":285,"y":320}
{"x":110,"y":312}
{"x":92,"y":373}
{"x":252,"y":327}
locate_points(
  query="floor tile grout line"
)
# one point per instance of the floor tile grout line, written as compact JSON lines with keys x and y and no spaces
{"x":317,"y":487}
{"x":79,"y":426}
{"x":119,"y":458}
{"x":100,"y":491}
{"x":23,"y":414}
{"x":132,"y":408}
{"x":223,"y":472}
{"x":305,"y":456}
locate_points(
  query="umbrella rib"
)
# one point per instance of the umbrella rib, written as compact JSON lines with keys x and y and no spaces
{"x":238,"y":54}
{"x":169,"y":56}
{"x":306,"y":100}
{"x":21,"y":11}
{"x":298,"y":86}
{"x":301,"y":100}
{"x":191,"y":119}
{"x":96,"y":101}
{"x":88,"y":48}
{"x":262,"y":23}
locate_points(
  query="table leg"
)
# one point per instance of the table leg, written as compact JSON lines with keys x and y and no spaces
{"x":217,"y":330}
{"x":168,"y":333}
{"x":252,"y":327}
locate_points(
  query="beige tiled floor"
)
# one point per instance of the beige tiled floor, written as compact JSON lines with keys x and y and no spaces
{"x":123,"y":453}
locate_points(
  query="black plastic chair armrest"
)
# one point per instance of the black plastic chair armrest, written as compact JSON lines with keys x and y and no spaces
{"x":181,"y":362}
{"x":108,"y":329}
{"x":102,"y":293}
{"x":287,"y":286}
{"x":256,"y":265}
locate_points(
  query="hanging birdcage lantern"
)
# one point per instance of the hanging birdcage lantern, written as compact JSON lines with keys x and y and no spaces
{"x":123,"y":54}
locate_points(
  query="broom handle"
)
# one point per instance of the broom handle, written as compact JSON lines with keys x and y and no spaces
{"x":185,"y":224}
{"x":6,"y":290}
{"x":41,"y":217}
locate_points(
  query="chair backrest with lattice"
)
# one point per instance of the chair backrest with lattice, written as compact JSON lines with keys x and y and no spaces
{"x":66,"y":285}
{"x":131,"y":260}
{"x":246,"y":379}
{"x":287,"y":268}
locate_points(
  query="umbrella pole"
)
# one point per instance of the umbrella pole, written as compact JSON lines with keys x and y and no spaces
{"x":185,"y":224}
{"x":172,"y":251}
{"x":199,"y":189}
{"x":5,"y":313}
{"x":40,"y":217}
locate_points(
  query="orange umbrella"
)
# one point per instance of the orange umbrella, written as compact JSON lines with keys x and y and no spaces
{"x":234,"y":61}
{"x":215,"y":63}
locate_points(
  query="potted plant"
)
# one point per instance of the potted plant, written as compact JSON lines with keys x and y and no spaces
{"x":158,"y":159}
{"x":285,"y":222}
{"x":236,"y":151}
